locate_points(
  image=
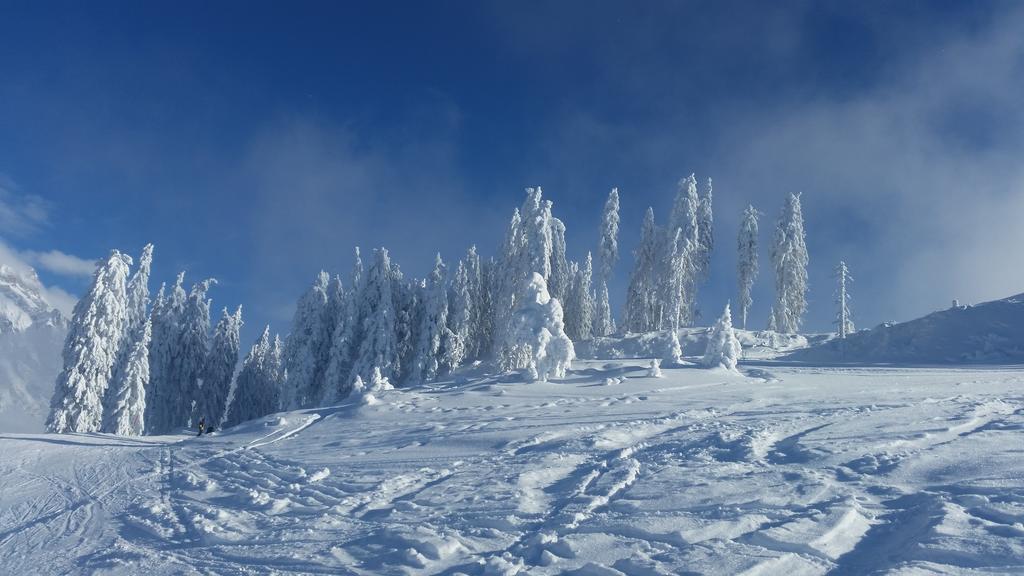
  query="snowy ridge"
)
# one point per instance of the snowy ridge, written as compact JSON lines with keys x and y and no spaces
{"x":606,"y":471}
{"x":987,"y":333}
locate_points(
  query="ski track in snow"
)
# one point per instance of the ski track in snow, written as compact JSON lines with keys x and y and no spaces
{"x":800,"y":470}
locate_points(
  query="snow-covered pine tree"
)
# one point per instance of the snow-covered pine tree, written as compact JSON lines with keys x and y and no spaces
{"x":408,"y":304}
{"x":746,"y":266}
{"x":772,"y":326}
{"x":579,"y":315}
{"x":608,"y":255}
{"x":256,"y":387}
{"x":219,"y":369}
{"x":640,"y":298}
{"x":477,"y":282}
{"x":461,"y":315}
{"x":347,"y":324}
{"x":789,"y":255}
{"x":503,"y":281}
{"x":163,"y":352}
{"x":307,"y":348}
{"x":844,"y":320}
{"x":377,"y":348}
{"x":673,"y":350}
{"x":127,"y":418}
{"x":95,"y":335}
{"x":705,"y":234}
{"x":680,"y":261}
{"x":537,"y":340}
{"x":433,"y":324}
{"x":190,"y":362}
{"x":723,"y":346}
{"x":137,"y":294}
{"x":537,"y":240}
{"x":560,"y":279}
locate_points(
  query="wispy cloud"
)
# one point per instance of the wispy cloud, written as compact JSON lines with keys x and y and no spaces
{"x":21,"y":214}
{"x":61,"y":263}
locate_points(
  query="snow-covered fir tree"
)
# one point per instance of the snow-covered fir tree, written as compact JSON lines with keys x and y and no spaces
{"x":192,"y":350}
{"x":641,"y":296}
{"x":705,"y":234}
{"x":538,"y":344}
{"x":746,"y":266}
{"x":560,"y":279}
{"x":256,"y":388}
{"x":676,"y":281}
{"x":673,"y":350}
{"x":91,"y":350}
{"x":789,"y":256}
{"x":408,"y":304}
{"x":433,"y":325}
{"x":378,"y":344}
{"x":345,"y":338}
{"x":136,"y":315}
{"x":844,"y":320}
{"x":219,"y":369}
{"x":579,"y":312}
{"x":127,"y":417}
{"x":307,"y":348}
{"x":608,"y":255}
{"x":163,"y":352}
{"x":723,"y":347}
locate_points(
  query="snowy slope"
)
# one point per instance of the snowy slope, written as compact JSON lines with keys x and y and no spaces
{"x":789,"y":470}
{"x":31,"y":337}
{"x":992,"y":332}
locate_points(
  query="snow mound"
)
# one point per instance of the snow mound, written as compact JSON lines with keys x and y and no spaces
{"x":988,"y":333}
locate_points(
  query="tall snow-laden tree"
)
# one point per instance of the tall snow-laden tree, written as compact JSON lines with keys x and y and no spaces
{"x":560,"y":279}
{"x":378,"y":346}
{"x":127,"y":417}
{"x":163,"y":353}
{"x":537,"y":342}
{"x":640,"y":298}
{"x":461,"y":314}
{"x":345,"y":337}
{"x":789,"y":255}
{"x":94,"y":340}
{"x":432,"y":327}
{"x":137,"y":295}
{"x":307,"y":347}
{"x":219,"y":369}
{"x":579,"y":314}
{"x":746,"y":266}
{"x":537,"y":239}
{"x":256,"y":387}
{"x":705,"y":234}
{"x":608,"y":255}
{"x":192,"y":349}
{"x":408,"y":304}
{"x":503,"y":280}
{"x":680,"y":258}
{"x":723,"y":347}
{"x":844,"y":320}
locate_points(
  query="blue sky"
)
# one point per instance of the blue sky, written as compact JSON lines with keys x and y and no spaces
{"x":257,"y":142}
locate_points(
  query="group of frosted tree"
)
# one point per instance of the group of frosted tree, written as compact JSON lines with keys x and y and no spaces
{"x":133,"y":368}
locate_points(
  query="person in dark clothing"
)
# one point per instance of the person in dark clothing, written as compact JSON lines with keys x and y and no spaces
{"x":202,"y":426}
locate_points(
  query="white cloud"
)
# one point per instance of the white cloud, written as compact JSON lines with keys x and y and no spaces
{"x":60,"y":263}
{"x":21,"y":214}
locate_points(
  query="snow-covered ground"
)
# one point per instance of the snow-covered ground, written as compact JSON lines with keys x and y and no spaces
{"x":784,"y":470}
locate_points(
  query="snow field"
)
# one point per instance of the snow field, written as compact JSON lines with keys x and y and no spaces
{"x":798,"y":470}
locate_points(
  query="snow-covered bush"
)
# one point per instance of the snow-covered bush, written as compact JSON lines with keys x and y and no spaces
{"x":723,"y":346}
{"x":368,"y":394}
{"x":537,"y":343}
{"x":654,"y":371}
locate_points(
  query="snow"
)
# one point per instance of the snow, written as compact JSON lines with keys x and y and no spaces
{"x":781,"y":468}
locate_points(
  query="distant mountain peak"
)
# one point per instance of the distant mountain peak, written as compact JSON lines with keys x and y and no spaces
{"x":22,"y":302}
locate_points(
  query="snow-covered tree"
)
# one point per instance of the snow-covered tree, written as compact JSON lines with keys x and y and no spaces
{"x":122,"y":384}
{"x":673,"y":350}
{"x":190,"y":362}
{"x":92,"y":347}
{"x":127,"y":417}
{"x":163,"y":353}
{"x":844,"y":320}
{"x":705,"y":234}
{"x":219,"y":369}
{"x":608,"y":255}
{"x":537,"y":340}
{"x":579,"y":313}
{"x":789,"y":255}
{"x":560,"y":278}
{"x":746,"y":266}
{"x":676,"y":283}
{"x":537,"y":242}
{"x":378,"y":345}
{"x":723,"y":346}
{"x":307,"y":348}
{"x":408,"y":304}
{"x":345,"y":338}
{"x":772,"y":326}
{"x":433,"y":326}
{"x":504,"y":283}
{"x":255,"y":393}
{"x":641,"y":296}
